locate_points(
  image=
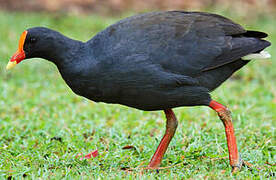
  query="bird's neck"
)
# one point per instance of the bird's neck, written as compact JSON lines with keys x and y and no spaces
{"x":63,"y":51}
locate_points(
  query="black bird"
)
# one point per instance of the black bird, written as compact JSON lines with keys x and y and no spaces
{"x":152,"y":61}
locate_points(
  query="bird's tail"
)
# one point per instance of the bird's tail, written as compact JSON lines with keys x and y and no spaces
{"x":261,"y":55}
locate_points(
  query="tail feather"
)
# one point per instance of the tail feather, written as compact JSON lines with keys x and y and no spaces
{"x":256,"y":34}
{"x":261,"y":55}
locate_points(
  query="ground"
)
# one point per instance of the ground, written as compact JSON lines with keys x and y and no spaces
{"x":44,"y":125}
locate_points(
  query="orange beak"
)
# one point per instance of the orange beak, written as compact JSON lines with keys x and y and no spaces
{"x":20,"y":54}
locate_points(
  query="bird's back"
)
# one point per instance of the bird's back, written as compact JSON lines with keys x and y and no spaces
{"x":181,"y":42}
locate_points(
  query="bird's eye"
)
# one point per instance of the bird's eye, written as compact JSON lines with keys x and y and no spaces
{"x":32,"y":40}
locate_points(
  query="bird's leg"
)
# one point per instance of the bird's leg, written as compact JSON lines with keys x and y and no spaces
{"x":225,"y":116}
{"x":161,"y":149}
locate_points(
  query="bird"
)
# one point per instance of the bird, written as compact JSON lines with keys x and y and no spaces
{"x":153,"y":61}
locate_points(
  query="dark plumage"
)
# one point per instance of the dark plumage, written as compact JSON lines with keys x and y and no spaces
{"x":152,"y":61}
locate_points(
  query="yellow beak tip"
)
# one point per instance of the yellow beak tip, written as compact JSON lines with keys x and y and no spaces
{"x":11,"y":65}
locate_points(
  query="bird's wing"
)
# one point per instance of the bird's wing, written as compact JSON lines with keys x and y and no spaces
{"x":185,"y":43}
{"x":237,"y":48}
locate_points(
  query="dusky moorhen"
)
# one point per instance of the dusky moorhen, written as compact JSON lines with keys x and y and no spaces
{"x":152,"y":61}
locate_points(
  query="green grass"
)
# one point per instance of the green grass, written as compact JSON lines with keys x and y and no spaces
{"x":36,"y":105}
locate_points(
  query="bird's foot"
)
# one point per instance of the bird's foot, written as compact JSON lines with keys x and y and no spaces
{"x":237,"y":165}
{"x":236,"y":168}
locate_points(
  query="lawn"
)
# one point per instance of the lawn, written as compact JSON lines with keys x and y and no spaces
{"x":44,"y":125}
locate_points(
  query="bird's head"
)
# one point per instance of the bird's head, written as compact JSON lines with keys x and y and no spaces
{"x":28,"y":44}
{"x":42,"y":43}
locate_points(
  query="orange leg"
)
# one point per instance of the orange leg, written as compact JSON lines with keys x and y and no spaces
{"x":161,"y":149}
{"x":225,"y":116}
